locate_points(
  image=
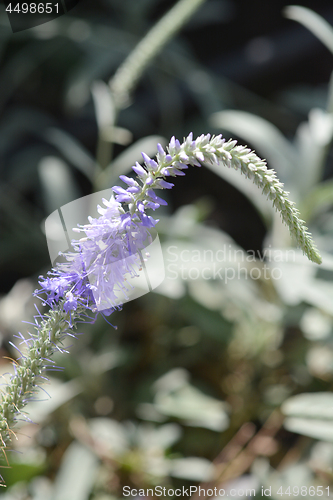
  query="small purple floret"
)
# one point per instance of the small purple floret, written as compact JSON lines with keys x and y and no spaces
{"x":140,"y":171}
{"x":128,"y":180}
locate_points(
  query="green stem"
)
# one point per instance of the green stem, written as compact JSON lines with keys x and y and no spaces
{"x":105,"y":147}
{"x":31,"y":365}
{"x":128,"y":74}
{"x":53,"y":326}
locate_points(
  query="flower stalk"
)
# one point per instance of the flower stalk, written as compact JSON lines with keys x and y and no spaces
{"x":98,"y":268}
{"x":214,"y":150}
{"x":29,"y":369}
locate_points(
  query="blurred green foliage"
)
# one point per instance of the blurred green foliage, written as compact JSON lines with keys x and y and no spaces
{"x":214,"y":381}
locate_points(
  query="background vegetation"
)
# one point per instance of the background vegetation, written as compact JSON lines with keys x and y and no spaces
{"x":203,"y":381}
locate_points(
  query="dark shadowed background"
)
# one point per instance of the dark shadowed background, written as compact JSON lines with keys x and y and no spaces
{"x":192,"y":367}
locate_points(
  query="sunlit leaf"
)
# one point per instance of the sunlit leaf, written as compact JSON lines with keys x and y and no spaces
{"x":104,"y":106}
{"x":57,"y":182}
{"x":177,"y":398}
{"x":317,"y":429}
{"x":24,"y":471}
{"x":317,"y":405}
{"x":311,"y":20}
{"x":312,"y":139}
{"x":76,"y":475}
{"x":310,"y":414}
{"x":192,"y":468}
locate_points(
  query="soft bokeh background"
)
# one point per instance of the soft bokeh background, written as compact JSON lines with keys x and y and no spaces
{"x":225,"y":384}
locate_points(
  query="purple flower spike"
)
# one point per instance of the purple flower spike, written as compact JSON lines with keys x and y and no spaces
{"x":97,"y":275}
{"x":118,"y":230}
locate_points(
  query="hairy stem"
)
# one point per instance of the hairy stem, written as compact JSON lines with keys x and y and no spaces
{"x":73,"y":304}
{"x":49,"y":334}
